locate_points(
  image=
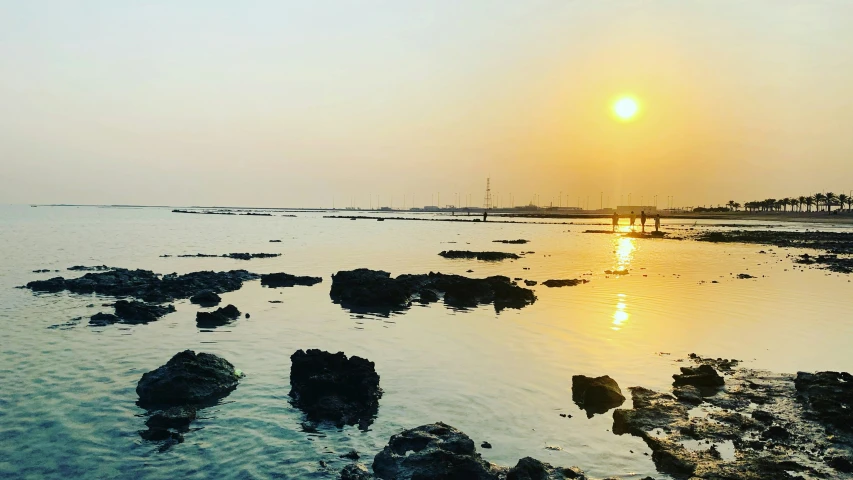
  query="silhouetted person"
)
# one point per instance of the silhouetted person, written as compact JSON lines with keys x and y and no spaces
{"x":633,"y":220}
{"x":657,"y":222}
{"x":485,"y":214}
{"x":643,"y":220}
{"x":615,"y":220}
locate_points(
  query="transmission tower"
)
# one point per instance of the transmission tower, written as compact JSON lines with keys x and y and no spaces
{"x":487,"y":202}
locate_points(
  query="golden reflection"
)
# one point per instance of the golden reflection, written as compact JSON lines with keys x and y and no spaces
{"x":620,"y":316}
{"x":624,"y":252}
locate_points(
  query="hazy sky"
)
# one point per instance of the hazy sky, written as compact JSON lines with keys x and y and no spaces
{"x":294,"y":103}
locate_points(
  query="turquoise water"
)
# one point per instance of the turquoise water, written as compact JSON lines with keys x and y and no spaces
{"x":67,"y":405}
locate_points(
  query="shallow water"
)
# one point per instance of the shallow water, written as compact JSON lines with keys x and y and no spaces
{"x":67,"y":405}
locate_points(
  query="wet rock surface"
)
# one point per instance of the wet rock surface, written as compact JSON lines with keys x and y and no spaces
{"x":146,"y":285}
{"x":331,"y":387}
{"x":278,"y":280}
{"x":701,"y":376}
{"x":188,"y":378}
{"x":519,"y":241}
{"x":97,"y":268}
{"x":482,"y":256}
{"x":217,"y":318}
{"x":375,"y":291}
{"x":596,"y":395}
{"x":564,"y":283}
{"x":770,"y":422}
{"x":206,"y":298}
{"x":174,"y":392}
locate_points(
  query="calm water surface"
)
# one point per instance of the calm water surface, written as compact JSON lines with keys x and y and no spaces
{"x":67,"y":403}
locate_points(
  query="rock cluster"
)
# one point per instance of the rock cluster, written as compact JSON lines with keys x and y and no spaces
{"x":217,"y":318}
{"x":376,"y":291}
{"x":277,"y":280}
{"x":596,"y":395}
{"x":483,"y":256}
{"x":131,"y":312}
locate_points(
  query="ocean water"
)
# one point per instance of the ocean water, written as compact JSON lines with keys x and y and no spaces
{"x":67,"y":402}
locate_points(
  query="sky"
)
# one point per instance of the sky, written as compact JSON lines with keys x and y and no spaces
{"x":306,"y":104}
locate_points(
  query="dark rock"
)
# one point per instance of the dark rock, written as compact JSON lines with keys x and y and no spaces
{"x":217,"y":318}
{"x":483,"y":256}
{"x":435,"y":451}
{"x":701,"y":376}
{"x":688,"y":394}
{"x":160,"y":435}
{"x":363,"y":288}
{"x":275,"y":241}
{"x":840,"y":463}
{"x":531,"y":469}
{"x":564,"y":283}
{"x":44,"y":270}
{"x":520,"y":241}
{"x":98,"y":268}
{"x":776,"y":433}
{"x":530,"y":283}
{"x":140,"y":312}
{"x":485,"y":445}
{"x":206,"y":298}
{"x":276,"y":280}
{"x":744,"y":276}
{"x":355,"y":471}
{"x":830,"y":396}
{"x":352,"y":455}
{"x":247,"y":315}
{"x":186,"y":379}
{"x":146,"y":285}
{"x":596,"y":395}
{"x":334,"y":388}
{"x":103,"y":319}
{"x":762,"y":416}
{"x":616,"y":272}
{"x":375,"y":291}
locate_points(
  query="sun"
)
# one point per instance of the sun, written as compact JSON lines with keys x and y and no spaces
{"x":626,"y":108}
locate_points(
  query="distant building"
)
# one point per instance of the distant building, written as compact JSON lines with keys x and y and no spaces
{"x":431,"y":208}
{"x":627,"y":209}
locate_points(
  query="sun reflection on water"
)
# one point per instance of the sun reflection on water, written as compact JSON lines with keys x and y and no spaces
{"x":620,"y":316}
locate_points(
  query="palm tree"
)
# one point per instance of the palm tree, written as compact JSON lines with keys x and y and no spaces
{"x":842,"y":200}
{"x":736,"y":206}
{"x":794,"y":202}
{"x":830,"y":201}
{"x":809,"y":201}
{"x":731,"y":204}
{"x":849,"y":203}
{"x":818,"y":199}
{"x":802,"y":201}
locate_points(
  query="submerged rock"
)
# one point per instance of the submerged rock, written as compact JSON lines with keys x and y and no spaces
{"x":564,"y":283}
{"x":596,"y":395}
{"x":97,"y":268}
{"x":140,"y":312}
{"x":276,"y":280}
{"x":103,"y":319}
{"x":520,"y":241}
{"x":376,"y":291}
{"x":206,"y":298}
{"x":217,"y":318}
{"x":188,"y":378}
{"x":355,"y":471}
{"x":531,"y":469}
{"x":146,"y":285}
{"x":483,"y":256}
{"x":331,"y":387}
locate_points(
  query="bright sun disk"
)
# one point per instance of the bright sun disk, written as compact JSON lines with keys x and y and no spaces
{"x":626,"y":108}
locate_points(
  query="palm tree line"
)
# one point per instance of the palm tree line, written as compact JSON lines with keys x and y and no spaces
{"x":821,"y":202}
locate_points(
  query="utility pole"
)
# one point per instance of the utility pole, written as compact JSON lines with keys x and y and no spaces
{"x":487,"y":200}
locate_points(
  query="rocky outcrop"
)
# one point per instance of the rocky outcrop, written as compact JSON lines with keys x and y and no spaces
{"x":830,"y":396}
{"x":146,"y":285}
{"x":432,"y":451}
{"x":235,"y":256}
{"x":188,"y":378}
{"x":564,"y":283}
{"x":355,"y":471}
{"x":217,"y":318}
{"x":206,"y":298}
{"x":784,"y":439}
{"x":519,"y":241}
{"x":376,"y":291}
{"x":331,"y":387}
{"x":174,"y":392}
{"x":596,"y":395}
{"x":482,"y":256}
{"x":701,"y":376}
{"x":131,"y":312}
{"x":439,"y":451}
{"x":96,"y":268}
{"x":277,"y":280}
